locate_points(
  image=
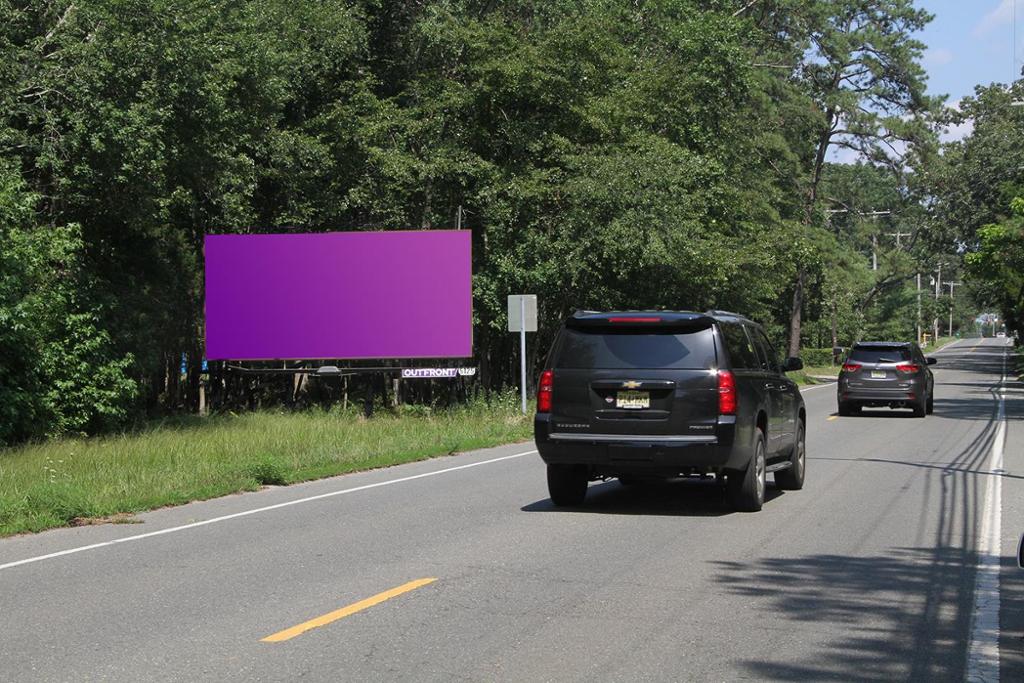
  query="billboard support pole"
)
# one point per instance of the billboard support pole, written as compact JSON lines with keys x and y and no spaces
{"x":522,"y":349}
{"x":368,"y":399}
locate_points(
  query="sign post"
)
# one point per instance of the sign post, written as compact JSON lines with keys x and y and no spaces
{"x":522,"y":318}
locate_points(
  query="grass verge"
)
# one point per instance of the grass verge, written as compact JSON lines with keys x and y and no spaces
{"x":812,"y":375}
{"x":939,"y":343}
{"x":173,"y":462}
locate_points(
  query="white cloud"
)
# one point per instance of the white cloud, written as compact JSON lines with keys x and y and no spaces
{"x":938,"y":57}
{"x":957,"y":131}
{"x":1000,"y":16}
{"x":843,"y":155}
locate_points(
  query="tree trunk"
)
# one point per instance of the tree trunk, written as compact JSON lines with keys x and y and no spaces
{"x":835,"y":332}
{"x":824,"y":141}
{"x":368,"y":399}
{"x":795,"y":314}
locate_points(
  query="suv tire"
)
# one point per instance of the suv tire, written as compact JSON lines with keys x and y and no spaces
{"x":746,"y":487}
{"x":567,"y":484}
{"x":921,"y":408}
{"x":848,"y":409}
{"x":931,"y":403}
{"x":792,"y":478}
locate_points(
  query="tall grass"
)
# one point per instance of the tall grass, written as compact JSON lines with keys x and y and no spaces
{"x":938,"y":344}
{"x":807,"y":376}
{"x":61,"y":482}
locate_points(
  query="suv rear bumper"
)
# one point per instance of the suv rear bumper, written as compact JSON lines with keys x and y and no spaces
{"x":882,"y":397}
{"x":653,"y":454}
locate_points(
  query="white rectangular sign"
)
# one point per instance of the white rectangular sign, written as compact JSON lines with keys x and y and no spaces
{"x":515,"y":312}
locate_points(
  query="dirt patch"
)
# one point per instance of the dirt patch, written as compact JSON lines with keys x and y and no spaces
{"x":119,"y":518}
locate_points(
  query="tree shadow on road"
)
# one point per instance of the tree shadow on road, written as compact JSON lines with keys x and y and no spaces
{"x":902,"y":615}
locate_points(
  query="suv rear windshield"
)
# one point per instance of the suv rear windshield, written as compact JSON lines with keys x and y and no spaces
{"x":880,"y":354}
{"x":627,"y":349}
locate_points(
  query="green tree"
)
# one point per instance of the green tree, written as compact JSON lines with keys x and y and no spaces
{"x":858,"y":64}
{"x":982,"y":174}
{"x":59,"y":371}
{"x":998,"y":265}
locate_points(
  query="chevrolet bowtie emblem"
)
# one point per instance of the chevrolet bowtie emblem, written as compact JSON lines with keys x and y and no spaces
{"x":631,"y":385}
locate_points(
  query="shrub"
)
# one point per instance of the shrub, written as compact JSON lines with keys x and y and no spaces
{"x":267,"y":471}
{"x":816,"y":357}
{"x":60,"y":371}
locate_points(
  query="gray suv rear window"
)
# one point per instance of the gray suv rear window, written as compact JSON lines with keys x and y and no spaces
{"x":880,"y":354}
{"x":626,"y":349}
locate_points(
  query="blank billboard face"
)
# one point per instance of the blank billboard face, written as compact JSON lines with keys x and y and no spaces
{"x":339,"y":295}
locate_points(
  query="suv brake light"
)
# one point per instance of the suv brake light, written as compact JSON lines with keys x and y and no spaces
{"x":851,"y":367}
{"x":908,"y":368}
{"x":726,"y":393}
{"x":544,"y":387}
{"x":634,"y":320}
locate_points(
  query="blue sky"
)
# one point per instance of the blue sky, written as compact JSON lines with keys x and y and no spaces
{"x":969,"y":42}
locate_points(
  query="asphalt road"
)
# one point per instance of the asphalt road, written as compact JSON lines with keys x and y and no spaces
{"x":869,"y":573}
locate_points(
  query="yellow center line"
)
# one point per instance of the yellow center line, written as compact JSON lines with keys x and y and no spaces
{"x":330,"y":617}
{"x":833,"y":417}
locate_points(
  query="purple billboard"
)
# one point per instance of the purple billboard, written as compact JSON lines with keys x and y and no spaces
{"x":339,"y":295}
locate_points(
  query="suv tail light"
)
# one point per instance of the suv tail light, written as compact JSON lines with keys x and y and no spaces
{"x":851,"y":367}
{"x":726,"y":393}
{"x":544,"y":391}
{"x":634,"y":319}
{"x":908,"y":368}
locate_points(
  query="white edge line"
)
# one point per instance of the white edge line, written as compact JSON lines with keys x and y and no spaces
{"x":817,"y":386}
{"x":983,"y":649}
{"x":246,"y":513}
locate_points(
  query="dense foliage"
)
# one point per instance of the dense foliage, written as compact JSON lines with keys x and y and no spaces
{"x":981,"y":193}
{"x":663,"y":154}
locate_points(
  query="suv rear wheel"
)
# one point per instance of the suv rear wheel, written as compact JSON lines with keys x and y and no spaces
{"x":792,"y":478}
{"x":848,"y":409}
{"x":746,"y":488}
{"x":567,"y":484}
{"x":921,"y":408}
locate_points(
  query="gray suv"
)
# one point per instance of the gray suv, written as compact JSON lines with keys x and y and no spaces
{"x":892,"y":374}
{"x":642,"y":395}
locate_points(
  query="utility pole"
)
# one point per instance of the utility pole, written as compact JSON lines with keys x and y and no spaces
{"x":898,"y":235}
{"x":938,"y":288}
{"x":874,"y":238}
{"x":951,"y":285}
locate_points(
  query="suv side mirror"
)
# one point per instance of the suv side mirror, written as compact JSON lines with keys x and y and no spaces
{"x":792,"y":363}
{"x":931,"y":361}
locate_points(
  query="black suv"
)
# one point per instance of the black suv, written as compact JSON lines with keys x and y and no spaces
{"x":639,"y":395}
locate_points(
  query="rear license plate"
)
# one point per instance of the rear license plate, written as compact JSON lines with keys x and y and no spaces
{"x":633,"y":400}
{"x":878,"y":374}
